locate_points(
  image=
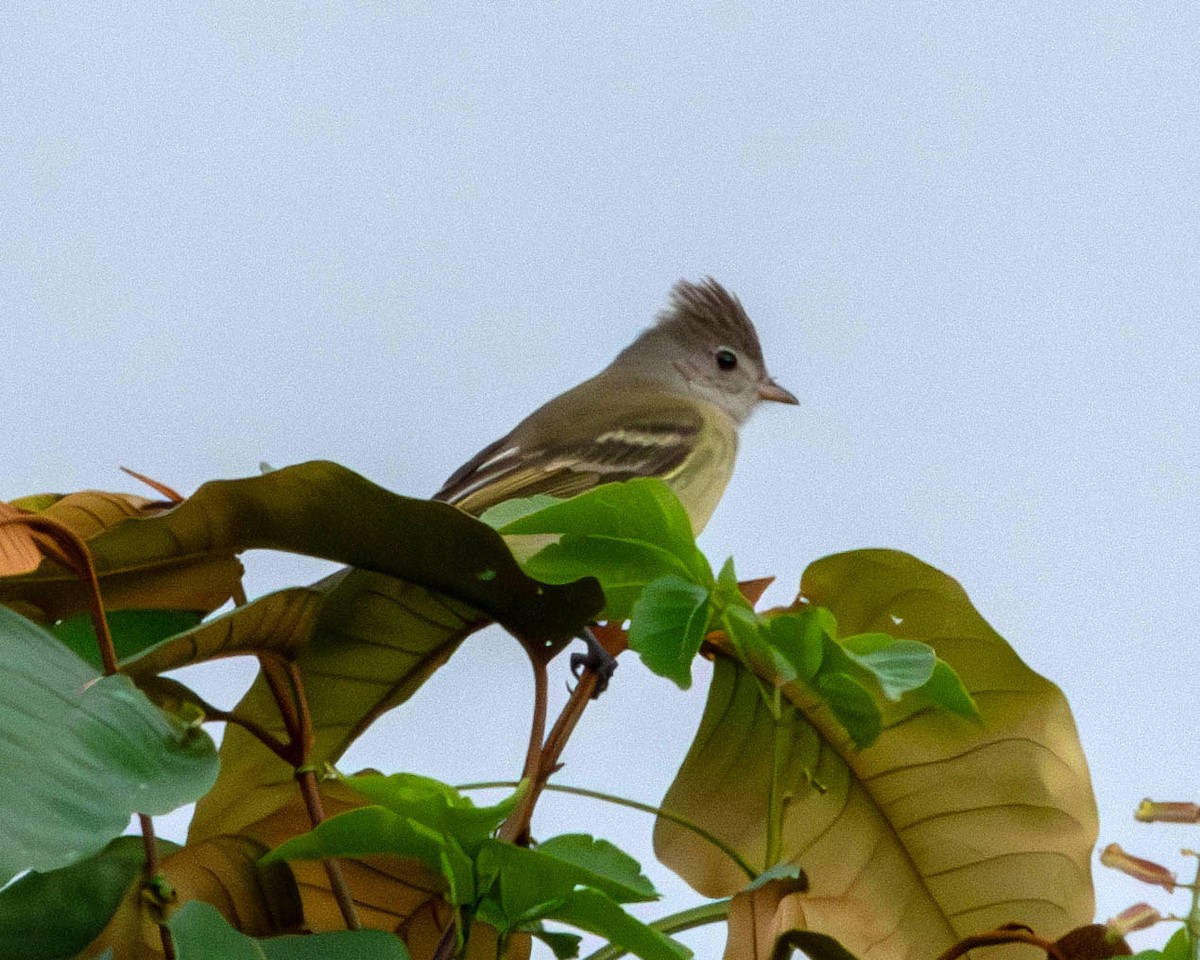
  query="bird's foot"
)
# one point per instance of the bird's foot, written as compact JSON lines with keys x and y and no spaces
{"x":597,"y":659}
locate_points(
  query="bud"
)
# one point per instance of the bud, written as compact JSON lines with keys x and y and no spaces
{"x":1145,"y":870}
{"x":1138,"y":917}
{"x":1150,"y":811}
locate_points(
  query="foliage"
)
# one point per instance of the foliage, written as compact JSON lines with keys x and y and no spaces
{"x":865,"y":752}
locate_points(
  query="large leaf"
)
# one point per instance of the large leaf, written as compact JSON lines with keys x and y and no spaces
{"x":223,"y":872}
{"x":943,"y":827}
{"x":47,"y":916}
{"x":53,"y":593}
{"x":81,"y":753}
{"x":364,"y":641}
{"x":363,"y":644}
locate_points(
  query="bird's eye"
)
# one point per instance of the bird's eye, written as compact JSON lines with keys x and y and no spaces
{"x":726,"y":359}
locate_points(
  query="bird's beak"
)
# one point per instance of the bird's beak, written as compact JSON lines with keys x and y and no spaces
{"x":770,"y":390}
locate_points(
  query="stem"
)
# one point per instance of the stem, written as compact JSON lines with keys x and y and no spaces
{"x":516,"y":827}
{"x":674,"y":818}
{"x":701,"y":916}
{"x":1192,"y":921}
{"x":307,"y":778}
{"x":150,"y":876}
{"x":779,"y":744}
{"x":333,"y":869}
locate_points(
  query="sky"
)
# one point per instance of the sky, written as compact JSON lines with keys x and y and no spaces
{"x":382,"y":233}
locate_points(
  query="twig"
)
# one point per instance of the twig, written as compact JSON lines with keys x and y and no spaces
{"x":674,"y":818}
{"x":307,"y":778}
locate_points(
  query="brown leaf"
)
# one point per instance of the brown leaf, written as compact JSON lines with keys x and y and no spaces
{"x":758,"y":918}
{"x":222,"y":871}
{"x":943,"y":827}
{"x":19,"y":551}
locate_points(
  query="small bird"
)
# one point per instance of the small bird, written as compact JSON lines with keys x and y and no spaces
{"x":668,"y":406}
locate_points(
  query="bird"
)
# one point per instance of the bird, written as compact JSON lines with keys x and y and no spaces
{"x":669,"y":406}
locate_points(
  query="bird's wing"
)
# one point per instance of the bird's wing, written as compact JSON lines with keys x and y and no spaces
{"x":514,"y":467}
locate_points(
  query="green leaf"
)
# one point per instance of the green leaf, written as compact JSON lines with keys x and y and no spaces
{"x":47,"y":916}
{"x":753,"y":640}
{"x":608,"y":867}
{"x":800,"y":636}
{"x":667,"y":626}
{"x":643,"y":510}
{"x":526,"y":885}
{"x":622,"y":567}
{"x":564,"y":946}
{"x":898,"y":665}
{"x":375,"y":829}
{"x":945,"y":689}
{"x":132,"y":631}
{"x":853,"y":706}
{"x":201,"y":933}
{"x":436,"y":805}
{"x":591,"y":910}
{"x":502,"y":514}
{"x":86,"y":751}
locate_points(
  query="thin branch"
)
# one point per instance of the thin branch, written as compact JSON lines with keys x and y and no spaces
{"x":674,"y":818}
{"x":333,"y":869}
{"x":307,"y":779}
{"x":151,"y":876}
{"x":515,"y":828}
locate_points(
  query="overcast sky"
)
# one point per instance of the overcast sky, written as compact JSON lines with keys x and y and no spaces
{"x":382,"y":233}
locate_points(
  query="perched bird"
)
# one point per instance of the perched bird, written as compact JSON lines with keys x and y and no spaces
{"x":668,"y":406}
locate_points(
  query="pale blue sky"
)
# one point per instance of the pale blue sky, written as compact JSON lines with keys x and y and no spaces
{"x":381,"y":233}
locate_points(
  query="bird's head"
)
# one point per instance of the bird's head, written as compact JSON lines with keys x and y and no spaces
{"x":704,"y":345}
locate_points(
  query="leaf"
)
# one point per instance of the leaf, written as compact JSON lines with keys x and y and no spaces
{"x":668,"y":623}
{"x":223,"y":872}
{"x":609,"y":868}
{"x":436,"y":805}
{"x":942,"y":828}
{"x":622,"y":567}
{"x":87,"y":751}
{"x":624,"y":534}
{"x":132,"y":631}
{"x":855,"y":708}
{"x":58,"y":913}
{"x":898,"y":665}
{"x":800,"y":636}
{"x":642,"y":510}
{"x":363,"y":643}
{"x":201,"y":933}
{"x":389,"y":892}
{"x":591,"y":910}
{"x":502,"y":514}
{"x":58,"y":594}
{"x":19,"y":552}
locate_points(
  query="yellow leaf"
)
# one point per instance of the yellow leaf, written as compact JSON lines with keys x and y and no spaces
{"x":940,"y":829}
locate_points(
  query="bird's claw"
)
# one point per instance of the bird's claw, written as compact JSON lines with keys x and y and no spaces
{"x":597,"y":659}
